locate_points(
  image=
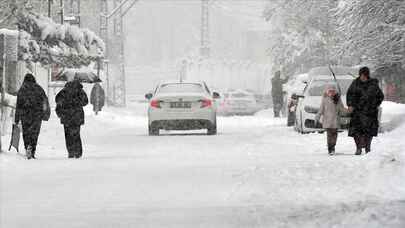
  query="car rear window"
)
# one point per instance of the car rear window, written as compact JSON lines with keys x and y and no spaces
{"x":181,"y":88}
{"x":318,"y":87}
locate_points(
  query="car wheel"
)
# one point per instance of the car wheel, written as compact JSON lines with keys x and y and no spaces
{"x":290,"y":119}
{"x":212,"y":129}
{"x":153,"y":131}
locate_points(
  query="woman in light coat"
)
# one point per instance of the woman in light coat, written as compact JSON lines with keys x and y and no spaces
{"x":330,"y":110}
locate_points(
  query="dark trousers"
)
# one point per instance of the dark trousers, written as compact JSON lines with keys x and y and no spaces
{"x":73,"y":141}
{"x":363,"y":141}
{"x":30,"y":131}
{"x":332,"y":134}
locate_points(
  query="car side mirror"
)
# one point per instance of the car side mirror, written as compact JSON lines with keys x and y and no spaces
{"x":148,"y":96}
{"x":216,"y":95}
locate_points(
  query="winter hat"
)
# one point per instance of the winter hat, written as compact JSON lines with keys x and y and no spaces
{"x":329,"y":89}
{"x":364,"y":71}
{"x":29,"y":78}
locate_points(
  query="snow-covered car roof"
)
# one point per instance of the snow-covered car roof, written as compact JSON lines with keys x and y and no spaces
{"x":180,"y":82}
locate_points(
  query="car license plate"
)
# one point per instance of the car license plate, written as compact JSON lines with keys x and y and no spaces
{"x":180,"y":104}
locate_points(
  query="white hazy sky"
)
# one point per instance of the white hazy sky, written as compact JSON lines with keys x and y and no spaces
{"x":161,"y":31}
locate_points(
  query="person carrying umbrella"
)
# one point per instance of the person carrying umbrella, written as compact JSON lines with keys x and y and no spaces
{"x":69,"y":108}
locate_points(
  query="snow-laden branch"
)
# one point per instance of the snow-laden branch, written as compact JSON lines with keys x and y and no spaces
{"x":43,"y":40}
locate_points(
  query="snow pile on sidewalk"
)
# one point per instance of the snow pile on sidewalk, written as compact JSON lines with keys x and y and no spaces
{"x":393,"y":114}
{"x":386,"y":174}
{"x":384,"y":201}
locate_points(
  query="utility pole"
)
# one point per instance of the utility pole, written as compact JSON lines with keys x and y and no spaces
{"x":205,"y":38}
{"x":119,"y":85}
{"x":62,"y":11}
{"x":49,"y":8}
{"x":104,"y":36}
{"x":116,"y":87}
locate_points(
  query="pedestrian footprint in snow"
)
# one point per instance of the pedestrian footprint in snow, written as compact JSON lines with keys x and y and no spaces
{"x":69,"y":108}
{"x":330,"y":110}
{"x":32,"y":107}
{"x":364,"y":98}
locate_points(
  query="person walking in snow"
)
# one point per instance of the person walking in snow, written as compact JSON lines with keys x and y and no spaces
{"x":277,"y":93}
{"x":69,"y":108}
{"x":330,"y":110}
{"x":97,"y":97}
{"x":32,"y":107}
{"x":363,"y":99}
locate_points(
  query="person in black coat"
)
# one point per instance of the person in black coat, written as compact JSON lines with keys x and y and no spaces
{"x":97,"y":98}
{"x":32,"y":107}
{"x":363,"y":100}
{"x":69,"y":108}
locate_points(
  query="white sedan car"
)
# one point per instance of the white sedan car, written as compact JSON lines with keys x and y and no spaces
{"x":182,"y":106}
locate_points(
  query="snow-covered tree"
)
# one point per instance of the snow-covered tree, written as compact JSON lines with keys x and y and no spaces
{"x":302,"y":33}
{"x":374,"y":31}
{"x":347,"y":32}
{"x":42,"y":40}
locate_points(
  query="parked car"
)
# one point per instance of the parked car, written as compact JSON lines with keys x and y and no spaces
{"x":310,"y":101}
{"x":238,"y":102}
{"x":182,"y":106}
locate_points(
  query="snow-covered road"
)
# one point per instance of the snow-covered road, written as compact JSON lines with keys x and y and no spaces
{"x":255,"y":173}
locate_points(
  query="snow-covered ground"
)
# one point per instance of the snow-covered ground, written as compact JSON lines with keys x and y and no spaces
{"x":255,"y":173}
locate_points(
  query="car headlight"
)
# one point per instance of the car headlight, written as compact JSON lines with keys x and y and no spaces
{"x":310,"y":109}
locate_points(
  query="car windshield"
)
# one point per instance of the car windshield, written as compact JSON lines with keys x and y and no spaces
{"x":318,"y":87}
{"x":181,"y":88}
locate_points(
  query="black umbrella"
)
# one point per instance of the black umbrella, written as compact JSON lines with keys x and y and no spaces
{"x":81,"y":75}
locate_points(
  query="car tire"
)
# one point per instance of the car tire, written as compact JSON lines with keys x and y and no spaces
{"x":153,"y":131}
{"x":212,"y":129}
{"x":290,"y":119}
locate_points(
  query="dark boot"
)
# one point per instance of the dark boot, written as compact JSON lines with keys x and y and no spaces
{"x":29,"y":152}
{"x":368,"y":144}
{"x":331,"y":150}
{"x":358,"y":151}
{"x":33,"y":153}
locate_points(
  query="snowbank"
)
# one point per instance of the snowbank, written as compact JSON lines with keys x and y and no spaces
{"x":393,"y":115}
